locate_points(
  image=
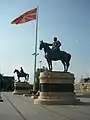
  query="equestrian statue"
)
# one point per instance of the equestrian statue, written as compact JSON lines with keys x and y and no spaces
{"x":21,"y":74}
{"x":55,"y":54}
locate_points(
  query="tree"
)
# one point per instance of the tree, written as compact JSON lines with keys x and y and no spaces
{"x":37,"y":82}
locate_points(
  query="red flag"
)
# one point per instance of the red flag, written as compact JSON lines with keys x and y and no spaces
{"x":26,"y":17}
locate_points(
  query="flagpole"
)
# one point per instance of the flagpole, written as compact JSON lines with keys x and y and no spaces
{"x":35,"y":47}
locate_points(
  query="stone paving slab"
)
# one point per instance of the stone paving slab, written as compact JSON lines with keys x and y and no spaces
{"x":7,"y":112}
{"x":31,"y":111}
{"x":26,"y":109}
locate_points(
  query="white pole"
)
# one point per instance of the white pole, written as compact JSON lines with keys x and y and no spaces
{"x":35,"y":47}
{"x":40,"y":64}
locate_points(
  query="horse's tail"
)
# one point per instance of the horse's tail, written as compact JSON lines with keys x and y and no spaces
{"x":68,"y":60}
{"x":69,"y":57}
{"x":27,"y":76}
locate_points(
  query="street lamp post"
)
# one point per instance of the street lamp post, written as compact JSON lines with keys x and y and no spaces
{"x":34,"y":70}
{"x":40,"y":63}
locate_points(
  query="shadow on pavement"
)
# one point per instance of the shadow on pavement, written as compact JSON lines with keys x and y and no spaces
{"x":84,"y":104}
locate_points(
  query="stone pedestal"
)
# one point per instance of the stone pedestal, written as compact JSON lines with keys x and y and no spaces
{"x":56,"y":88}
{"x":21,"y":88}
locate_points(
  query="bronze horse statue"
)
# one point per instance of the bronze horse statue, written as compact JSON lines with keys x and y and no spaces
{"x":25,"y":75}
{"x":51,"y":55}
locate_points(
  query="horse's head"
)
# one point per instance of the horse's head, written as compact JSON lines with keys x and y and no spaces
{"x":42,"y":44}
{"x":45,"y":46}
{"x":16,"y":71}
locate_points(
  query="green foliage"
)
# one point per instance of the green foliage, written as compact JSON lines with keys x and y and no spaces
{"x":37,"y":82}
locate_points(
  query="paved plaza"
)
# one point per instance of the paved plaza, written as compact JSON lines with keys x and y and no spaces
{"x":17,"y":107}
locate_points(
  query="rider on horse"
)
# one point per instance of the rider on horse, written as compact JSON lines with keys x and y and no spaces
{"x":55,"y":54}
{"x":21,"y":71}
{"x":56,"y":44}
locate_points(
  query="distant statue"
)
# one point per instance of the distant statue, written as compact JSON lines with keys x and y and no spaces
{"x":21,"y":74}
{"x":21,"y":71}
{"x":55,"y":55}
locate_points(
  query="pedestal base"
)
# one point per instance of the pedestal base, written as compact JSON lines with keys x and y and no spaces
{"x":57,"y":88}
{"x":57,"y":101}
{"x":20,"y":92}
{"x":21,"y":88}
{"x":67,"y":98}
